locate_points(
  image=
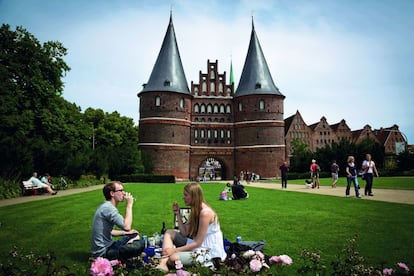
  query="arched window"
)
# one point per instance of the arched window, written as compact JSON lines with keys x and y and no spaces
{"x":204,"y":87}
{"x":208,"y":133}
{"x":182,"y":103}
{"x":212,"y":87}
{"x":203,"y":108}
{"x":221,"y":88}
{"x":195,"y":133}
{"x":228,"y":133}
{"x":202,"y":133}
{"x":261,"y":105}
{"x":215,"y":133}
{"x":215,"y":108}
{"x":228,"y":109}
{"x":222,"y":133}
{"x":209,"y":108}
{"x":157,"y":101}
{"x":196,"y":108}
{"x":222,"y":108}
{"x":240,"y":106}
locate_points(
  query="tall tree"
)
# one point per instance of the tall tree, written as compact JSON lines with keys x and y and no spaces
{"x":30,"y":88}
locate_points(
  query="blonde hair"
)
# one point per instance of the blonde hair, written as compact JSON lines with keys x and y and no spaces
{"x":350,"y":159}
{"x":196,"y":193}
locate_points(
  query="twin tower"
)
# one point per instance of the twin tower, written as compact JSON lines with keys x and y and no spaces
{"x":182,"y":130}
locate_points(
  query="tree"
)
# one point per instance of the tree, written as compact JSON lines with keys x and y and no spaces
{"x":30,"y":89}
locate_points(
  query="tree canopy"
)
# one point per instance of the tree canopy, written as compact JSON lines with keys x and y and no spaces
{"x":41,"y":131}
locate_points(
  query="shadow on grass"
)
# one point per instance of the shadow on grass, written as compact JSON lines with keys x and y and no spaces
{"x":79,"y":256}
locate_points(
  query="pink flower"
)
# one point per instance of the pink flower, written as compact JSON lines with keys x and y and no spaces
{"x":274,"y":259}
{"x":248,"y":254}
{"x":255,"y":265}
{"x":181,"y":272}
{"x":260,"y":255}
{"x":285,"y":259}
{"x":101,"y":267}
{"x":387,"y":271}
{"x":178,"y":264}
{"x":403,"y":266}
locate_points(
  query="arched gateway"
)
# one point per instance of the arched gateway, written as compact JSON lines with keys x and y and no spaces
{"x":182,"y":128}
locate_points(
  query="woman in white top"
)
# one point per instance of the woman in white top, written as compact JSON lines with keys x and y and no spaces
{"x":368,"y":166}
{"x":202,"y":231}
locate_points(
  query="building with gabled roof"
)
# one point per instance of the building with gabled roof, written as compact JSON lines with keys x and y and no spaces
{"x":296,"y":128}
{"x":342,"y":131}
{"x":181,"y":130}
{"x":392,"y":139}
{"x":322,"y":134}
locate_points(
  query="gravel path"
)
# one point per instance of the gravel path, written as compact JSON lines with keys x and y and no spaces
{"x":388,"y":195}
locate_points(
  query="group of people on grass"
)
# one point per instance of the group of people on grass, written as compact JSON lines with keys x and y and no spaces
{"x":201,"y":231}
{"x":368,"y":171}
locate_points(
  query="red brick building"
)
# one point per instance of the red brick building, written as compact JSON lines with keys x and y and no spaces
{"x":212,"y":126}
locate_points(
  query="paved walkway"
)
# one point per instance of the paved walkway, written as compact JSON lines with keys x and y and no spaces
{"x":388,"y":195}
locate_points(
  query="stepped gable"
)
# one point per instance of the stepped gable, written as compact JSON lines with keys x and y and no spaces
{"x":256,"y":77}
{"x":168,"y":73}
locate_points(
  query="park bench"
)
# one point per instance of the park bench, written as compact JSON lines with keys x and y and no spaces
{"x":29,"y":189}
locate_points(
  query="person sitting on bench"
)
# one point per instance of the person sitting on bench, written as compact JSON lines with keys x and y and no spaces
{"x":37,"y":183}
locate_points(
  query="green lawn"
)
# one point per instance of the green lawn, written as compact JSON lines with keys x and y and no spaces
{"x":288,"y":221}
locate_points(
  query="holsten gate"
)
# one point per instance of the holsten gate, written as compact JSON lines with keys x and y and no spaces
{"x":212,"y":127}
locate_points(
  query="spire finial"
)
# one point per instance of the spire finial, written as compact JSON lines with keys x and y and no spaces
{"x":252,"y":19}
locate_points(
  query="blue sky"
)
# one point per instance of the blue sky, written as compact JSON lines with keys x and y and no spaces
{"x":342,"y":59}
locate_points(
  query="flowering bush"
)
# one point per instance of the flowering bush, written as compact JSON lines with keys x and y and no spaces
{"x":401,"y":269}
{"x":102,"y":267}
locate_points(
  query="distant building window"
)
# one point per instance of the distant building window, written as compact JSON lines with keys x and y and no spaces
{"x":258,"y":85}
{"x":209,"y":108}
{"x":212,"y":87}
{"x":228,"y":109}
{"x":196,"y":108}
{"x":157,"y":101}
{"x":240,"y":106}
{"x":204,"y":87}
{"x":215,"y":109}
{"x":222,"y":108}
{"x":221,"y":88}
{"x":261,"y":105}
{"x":181,"y":103}
{"x":203,"y":108}
{"x":167,"y":83}
{"x":195,"y":133}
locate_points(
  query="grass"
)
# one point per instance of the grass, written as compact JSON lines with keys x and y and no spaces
{"x":288,"y":221}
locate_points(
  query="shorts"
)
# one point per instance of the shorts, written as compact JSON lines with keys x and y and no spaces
{"x":186,"y":257}
{"x":335,"y":176}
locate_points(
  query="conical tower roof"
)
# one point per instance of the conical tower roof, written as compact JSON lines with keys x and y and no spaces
{"x":168,"y":73}
{"x":256,"y":77}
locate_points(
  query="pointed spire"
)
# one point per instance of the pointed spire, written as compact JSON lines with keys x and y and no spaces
{"x":168,"y":73}
{"x":231,"y":72}
{"x":256,"y":77}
